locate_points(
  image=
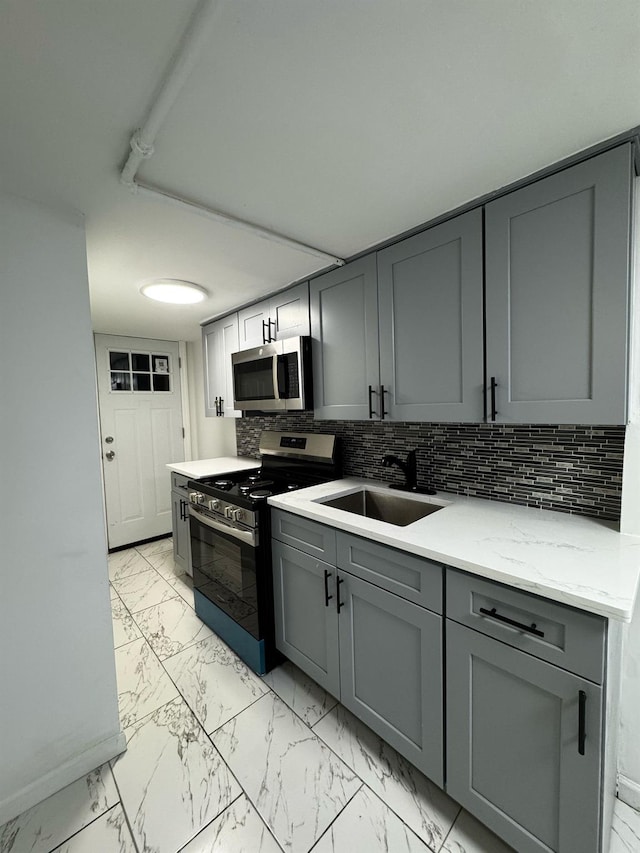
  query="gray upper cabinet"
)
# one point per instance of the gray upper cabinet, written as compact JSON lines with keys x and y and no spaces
{"x":344,"y":326}
{"x":284,"y":315}
{"x":557,"y":272}
{"x":219,"y":341}
{"x":431,"y":332}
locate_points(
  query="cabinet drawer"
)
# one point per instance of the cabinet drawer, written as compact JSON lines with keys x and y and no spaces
{"x":569,"y":638}
{"x":413,"y":578}
{"x":179,"y":481}
{"x":307,"y":536}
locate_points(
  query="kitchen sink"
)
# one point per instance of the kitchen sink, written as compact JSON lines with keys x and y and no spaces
{"x":394,"y":509}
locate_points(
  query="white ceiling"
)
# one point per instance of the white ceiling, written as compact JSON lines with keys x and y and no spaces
{"x":339,"y":123}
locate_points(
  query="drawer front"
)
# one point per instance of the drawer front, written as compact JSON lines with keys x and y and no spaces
{"x":569,"y":638}
{"x":179,"y":481}
{"x":413,"y":578}
{"x":308,"y":536}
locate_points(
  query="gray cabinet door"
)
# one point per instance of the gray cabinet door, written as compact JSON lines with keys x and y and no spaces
{"x":180,"y":528}
{"x":557,"y":271}
{"x":344,"y":326}
{"x":306,"y":619}
{"x":285,"y":315}
{"x":513,"y":756}
{"x":253,"y":328}
{"x":219,"y":341}
{"x":391,"y":670}
{"x":289,"y":312}
{"x":431,"y":323}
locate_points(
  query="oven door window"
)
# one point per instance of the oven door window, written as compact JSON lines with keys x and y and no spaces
{"x":224,"y":571}
{"x":253,"y":380}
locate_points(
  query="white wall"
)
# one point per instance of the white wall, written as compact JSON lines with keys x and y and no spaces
{"x":210,"y":437}
{"x":629,"y":753}
{"x":58,"y":705}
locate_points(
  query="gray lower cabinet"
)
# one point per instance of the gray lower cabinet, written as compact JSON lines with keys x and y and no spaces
{"x":306,"y":619}
{"x":514,"y":753}
{"x":219,"y":341}
{"x":557,"y":274}
{"x":180,"y":522}
{"x":431,"y":323}
{"x":525,"y":689}
{"x":380,"y":654}
{"x":391,"y":670}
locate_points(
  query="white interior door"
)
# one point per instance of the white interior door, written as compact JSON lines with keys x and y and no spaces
{"x":141,"y":431}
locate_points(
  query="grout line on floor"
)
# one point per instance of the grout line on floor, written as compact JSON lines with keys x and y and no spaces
{"x":317,"y":841}
{"x":124,"y":810}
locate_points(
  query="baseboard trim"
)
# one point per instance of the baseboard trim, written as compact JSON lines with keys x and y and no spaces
{"x":62,"y":776}
{"x":629,"y":792}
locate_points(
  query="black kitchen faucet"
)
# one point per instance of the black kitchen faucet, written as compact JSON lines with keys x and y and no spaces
{"x":410,"y":471}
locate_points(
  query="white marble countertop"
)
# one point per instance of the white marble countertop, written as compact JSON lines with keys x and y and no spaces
{"x":571,"y":559}
{"x":213,"y":467}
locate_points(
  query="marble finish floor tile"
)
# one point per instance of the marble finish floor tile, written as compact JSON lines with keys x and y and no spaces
{"x":171,"y":779}
{"x":295,"y":782}
{"x":470,"y":836}
{"x":124,"y":564}
{"x":45,"y":826}
{"x":171,"y":626}
{"x":216,"y":684}
{"x":366,"y":825}
{"x":418,"y":802}
{"x":156,"y":547}
{"x":143,"y":685}
{"x":143,"y":590}
{"x":165,"y":565}
{"x":301,"y":693}
{"x":112,"y":592}
{"x":124,"y":628}
{"x":238,"y":829}
{"x":183,"y":585}
{"x":625,"y":831}
{"x":108,"y":834}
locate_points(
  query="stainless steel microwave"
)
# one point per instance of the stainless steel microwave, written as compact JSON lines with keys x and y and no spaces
{"x":274,"y":377}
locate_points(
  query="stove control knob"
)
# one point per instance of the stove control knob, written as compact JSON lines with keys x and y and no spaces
{"x":238,"y":515}
{"x":228,"y":512}
{"x":214,"y":504}
{"x":196,"y":497}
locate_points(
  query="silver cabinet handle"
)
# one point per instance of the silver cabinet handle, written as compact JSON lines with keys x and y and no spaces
{"x":109,"y":455}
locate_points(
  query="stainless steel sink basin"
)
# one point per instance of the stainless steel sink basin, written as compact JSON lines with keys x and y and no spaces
{"x":391,"y":508}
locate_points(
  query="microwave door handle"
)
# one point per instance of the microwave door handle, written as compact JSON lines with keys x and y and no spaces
{"x":281,"y":376}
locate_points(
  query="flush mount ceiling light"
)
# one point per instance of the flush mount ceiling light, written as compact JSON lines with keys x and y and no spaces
{"x":174,"y":290}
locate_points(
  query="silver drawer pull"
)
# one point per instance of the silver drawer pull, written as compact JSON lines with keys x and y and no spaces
{"x":530,"y":629}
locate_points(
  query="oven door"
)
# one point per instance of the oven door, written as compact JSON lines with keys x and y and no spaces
{"x":224,"y":562}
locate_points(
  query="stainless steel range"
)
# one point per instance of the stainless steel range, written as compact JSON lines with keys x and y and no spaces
{"x":231,"y":539}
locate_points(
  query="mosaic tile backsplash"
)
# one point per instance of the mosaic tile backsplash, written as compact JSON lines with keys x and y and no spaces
{"x":575,"y":469}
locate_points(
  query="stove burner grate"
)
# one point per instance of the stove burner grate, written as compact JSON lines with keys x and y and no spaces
{"x":223,"y":484}
{"x":261,"y":493}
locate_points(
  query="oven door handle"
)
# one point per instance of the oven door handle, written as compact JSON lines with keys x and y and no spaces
{"x":249,"y":537}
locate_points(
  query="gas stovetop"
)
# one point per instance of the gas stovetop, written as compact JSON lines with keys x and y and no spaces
{"x":289,"y":461}
{"x":246,"y":489}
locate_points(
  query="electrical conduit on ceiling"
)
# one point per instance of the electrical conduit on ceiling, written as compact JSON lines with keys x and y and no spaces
{"x":141,"y":143}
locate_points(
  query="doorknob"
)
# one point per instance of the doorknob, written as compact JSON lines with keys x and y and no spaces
{"x":109,"y":439}
{"x":109,"y":455}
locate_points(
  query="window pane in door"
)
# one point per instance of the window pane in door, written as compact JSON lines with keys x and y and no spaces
{"x":120,"y":381}
{"x":160,"y":363}
{"x":119,"y":360}
{"x":160,"y":383}
{"x":142,"y":382}
{"x":140,"y":361}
